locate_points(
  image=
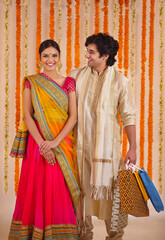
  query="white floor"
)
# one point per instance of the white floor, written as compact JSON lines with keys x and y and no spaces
{"x":148,"y":228}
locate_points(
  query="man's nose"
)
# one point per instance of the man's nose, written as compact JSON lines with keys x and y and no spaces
{"x":87,"y":55}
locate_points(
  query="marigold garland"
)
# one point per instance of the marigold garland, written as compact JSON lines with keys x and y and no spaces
{"x":97,"y":19}
{"x":161,"y":99}
{"x":51,"y":20}
{"x":142,"y":94}
{"x":60,"y":3}
{"x":69,"y":38}
{"x":26,"y":26}
{"x":17,"y":92}
{"x":120,"y":36}
{"x":6,"y":141}
{"x":77,"y":34}
{"x":126,"y":65}
{"x":115,"y":18}
{"x":105,"y":10}
{"x":38,"y":32}
{"x":86,"y":3}
{"x":150,"y":103}
{"x":120,"y":40}
{"x":133,"y":43}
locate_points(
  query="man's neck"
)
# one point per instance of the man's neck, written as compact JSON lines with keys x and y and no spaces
{"x":100,"y":70}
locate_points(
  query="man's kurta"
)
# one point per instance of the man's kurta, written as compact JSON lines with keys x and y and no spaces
{"x":101,"y":99}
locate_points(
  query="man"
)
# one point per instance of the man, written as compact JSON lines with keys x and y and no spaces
{"x":102,"y":93}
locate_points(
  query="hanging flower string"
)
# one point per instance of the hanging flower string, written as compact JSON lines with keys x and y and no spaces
{"x":86,"y":2}
{"x":69,"y":38}
{"x":161,"y":99}
{"x":120,"y":36}
{"x":150,"y":103}
{"x":77,"y":34}
{"x":132,"y":42}
{"x":6,"y":140}
{"x":120,"y":39}
{"x":51,"y":20}
{"x":97,"y":19}
{"x":60,"y":3}
{"x":26,"y":26}
{"x":17,"y":92}
{"x":126,"y":65}
{"x":38,"y":32}
{"x":115,"y":18}
{"x":105,"y":10}
{"x":142,"y":93}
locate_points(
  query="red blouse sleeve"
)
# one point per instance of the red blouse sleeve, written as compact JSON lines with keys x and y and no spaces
{"x":71,"y":85}
{"x":27,"y":84}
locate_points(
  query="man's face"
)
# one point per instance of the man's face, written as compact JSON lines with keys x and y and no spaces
{"x":94,"y":59}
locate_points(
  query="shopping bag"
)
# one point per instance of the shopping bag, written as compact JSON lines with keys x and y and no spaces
{"x":151,"y":190}
{"x":119,"y":220}
{"x":141,"y":186}
{"x":132,"y":201}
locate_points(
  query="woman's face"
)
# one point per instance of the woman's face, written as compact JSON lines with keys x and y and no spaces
{"x":50,"y":58}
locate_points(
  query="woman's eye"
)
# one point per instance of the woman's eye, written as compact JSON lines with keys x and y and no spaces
{"x":54,"y":55}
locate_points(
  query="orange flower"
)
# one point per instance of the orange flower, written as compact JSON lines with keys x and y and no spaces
{"x":77,"y":34}
{"x":105,"y":10}
{"x":150,"y":102}
{"x":142,"y":95}
{"x":126,"y":66}
{"x":97,"y":19}
{"x":51,"y":20}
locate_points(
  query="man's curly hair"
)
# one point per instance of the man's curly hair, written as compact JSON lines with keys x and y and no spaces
{"x":105,"y":45}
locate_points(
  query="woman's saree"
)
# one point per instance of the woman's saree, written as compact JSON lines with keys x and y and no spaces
{"x":46,"y":195}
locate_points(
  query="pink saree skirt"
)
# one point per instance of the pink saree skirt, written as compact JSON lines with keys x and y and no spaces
{"x":44,"y":208}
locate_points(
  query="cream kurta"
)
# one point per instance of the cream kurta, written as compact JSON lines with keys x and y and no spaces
{"x":99,"y":156}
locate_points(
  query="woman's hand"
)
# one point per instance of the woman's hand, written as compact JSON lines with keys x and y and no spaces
{"x":46,"y":146}
{"x":50,"y":158}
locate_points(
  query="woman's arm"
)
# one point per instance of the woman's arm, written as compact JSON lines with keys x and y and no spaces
{"x":47,"y":145}
{"x":30,"y":123}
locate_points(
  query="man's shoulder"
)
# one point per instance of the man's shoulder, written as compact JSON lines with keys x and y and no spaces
{"x":73,"y":73}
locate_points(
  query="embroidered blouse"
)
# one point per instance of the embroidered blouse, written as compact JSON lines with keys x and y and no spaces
{"x":68,"y":85}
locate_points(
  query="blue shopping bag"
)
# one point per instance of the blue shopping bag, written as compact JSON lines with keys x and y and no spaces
{"x":151,"y":190}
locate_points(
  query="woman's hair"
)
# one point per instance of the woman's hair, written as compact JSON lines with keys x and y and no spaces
{"x":105,"y":45}
{"x":48,"y":43}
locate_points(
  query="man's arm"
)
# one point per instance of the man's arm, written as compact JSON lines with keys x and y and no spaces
{"x":131,"y":134}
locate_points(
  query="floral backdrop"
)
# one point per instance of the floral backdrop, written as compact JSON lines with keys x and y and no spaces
{"x":138,"y":25}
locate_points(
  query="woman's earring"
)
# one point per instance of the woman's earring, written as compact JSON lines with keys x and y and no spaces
{"x":39,"y":65}
{"x":59,"y":66}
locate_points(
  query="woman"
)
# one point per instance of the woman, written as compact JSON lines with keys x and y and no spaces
{"x":48,"y":186}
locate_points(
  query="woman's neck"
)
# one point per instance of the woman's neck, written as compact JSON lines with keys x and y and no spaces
{"x":51,"y":74}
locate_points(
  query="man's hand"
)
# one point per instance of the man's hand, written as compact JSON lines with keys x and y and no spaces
{"x":131,"y":156}
{"x":50,"y":158}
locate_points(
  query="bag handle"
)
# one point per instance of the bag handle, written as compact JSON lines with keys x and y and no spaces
{"x":132,"y":167}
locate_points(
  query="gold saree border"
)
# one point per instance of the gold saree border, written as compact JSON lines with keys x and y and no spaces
{"x":54,"y":231}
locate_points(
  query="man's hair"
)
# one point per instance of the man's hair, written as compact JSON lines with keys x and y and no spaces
{"x":105,"y":45}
